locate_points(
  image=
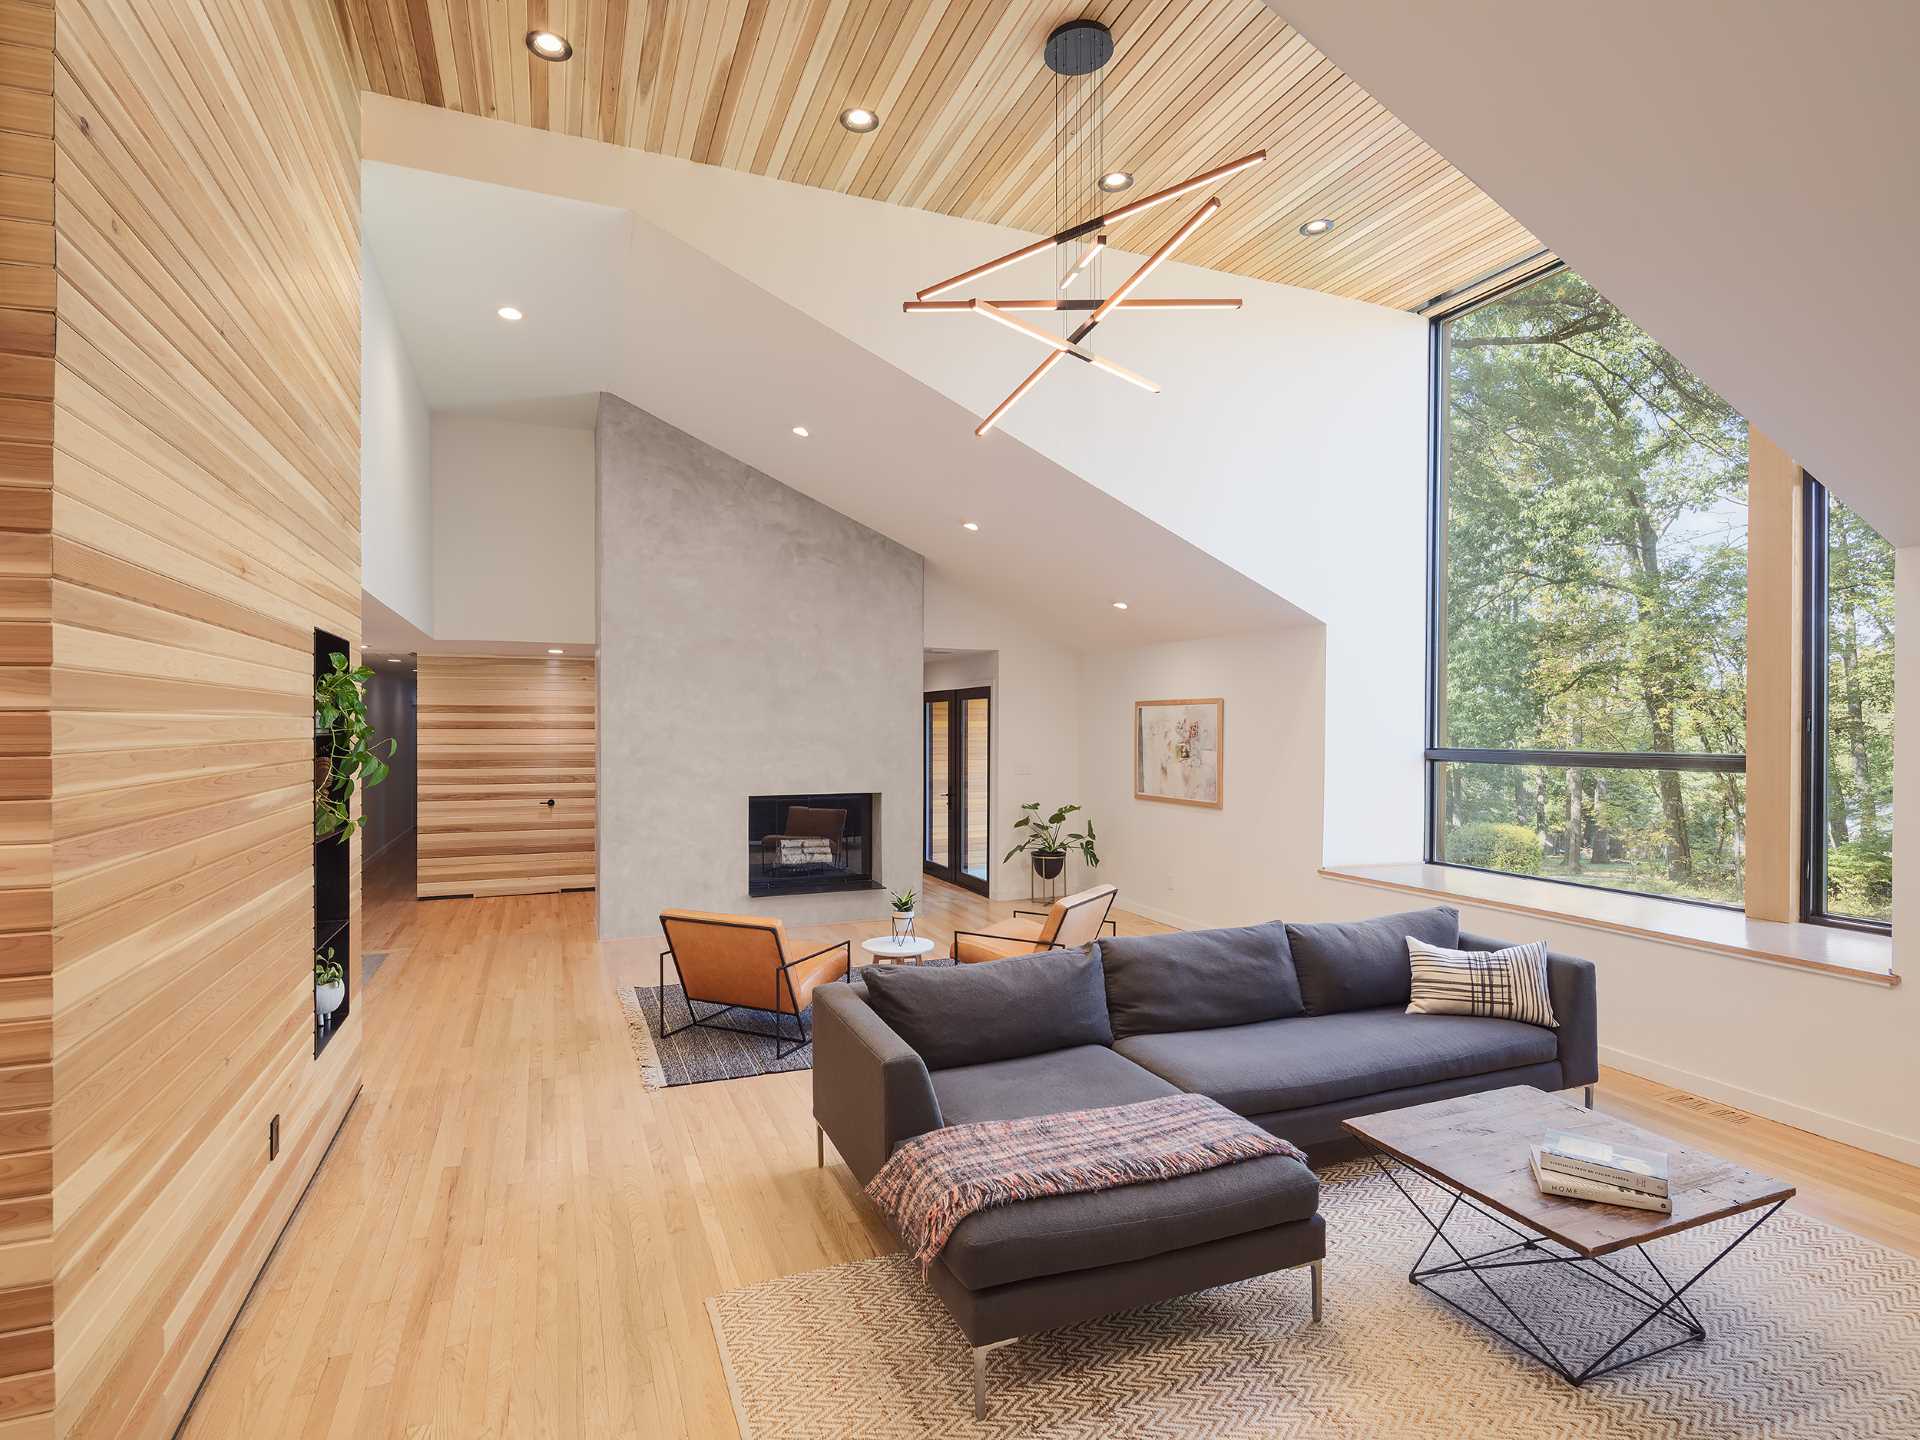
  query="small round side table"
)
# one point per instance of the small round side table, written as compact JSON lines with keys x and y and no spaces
{"x":892,"y":951}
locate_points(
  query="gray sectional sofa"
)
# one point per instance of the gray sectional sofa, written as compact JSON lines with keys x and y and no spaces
{"x":1297,"y":1027}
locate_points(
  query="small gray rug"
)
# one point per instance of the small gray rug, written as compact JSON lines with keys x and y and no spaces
{"x":697,"y":1055}
{"x":370,"y":964}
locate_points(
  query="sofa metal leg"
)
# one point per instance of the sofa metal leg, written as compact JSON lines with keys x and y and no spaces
{"x":1319,"y":1308}
{"x":819,"y":1148}
{"x":1589,"y":1097}
{"x":980,"y":1353}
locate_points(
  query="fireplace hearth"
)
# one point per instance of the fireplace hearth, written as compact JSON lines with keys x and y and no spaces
{"x":810,"y":844}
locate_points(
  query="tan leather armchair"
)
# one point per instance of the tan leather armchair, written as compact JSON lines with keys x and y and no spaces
{"x":1070,"y":922}
{"x":745,"y":962}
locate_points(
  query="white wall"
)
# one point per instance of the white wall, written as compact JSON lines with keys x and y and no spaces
{"x":512,"y":532}
{"x":396,"y":476}
{"x":1291,"y":424}
{"x":1035,"y":734}
{"x":1253,"y":859}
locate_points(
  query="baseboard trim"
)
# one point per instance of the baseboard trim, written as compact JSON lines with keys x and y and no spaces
{"x":1801,"y":1117}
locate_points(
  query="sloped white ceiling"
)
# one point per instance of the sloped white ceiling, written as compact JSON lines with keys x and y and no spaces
{"x":1739,"y":176}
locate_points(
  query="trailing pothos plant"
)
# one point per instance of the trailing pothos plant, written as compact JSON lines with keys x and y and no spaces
{"x":354,"y":755}
{"x":1051,"y":836}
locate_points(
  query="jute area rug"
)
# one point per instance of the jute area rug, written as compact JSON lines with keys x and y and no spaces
{"x":1812,"y":1332}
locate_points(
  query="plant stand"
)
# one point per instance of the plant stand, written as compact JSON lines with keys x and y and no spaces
{"x":1045,"y":891}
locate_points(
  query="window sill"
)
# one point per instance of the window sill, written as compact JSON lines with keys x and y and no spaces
{"x":1828,"y":950}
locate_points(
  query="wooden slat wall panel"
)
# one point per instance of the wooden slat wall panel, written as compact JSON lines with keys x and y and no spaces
{"x":967,"y":116}
{"x":498,"y":737}
{"x":26,"y":720}
{"x":205,"y":520}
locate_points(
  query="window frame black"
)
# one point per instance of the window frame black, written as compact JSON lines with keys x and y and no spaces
{"x":1813,"y":728}
{"x":1434,"y":754}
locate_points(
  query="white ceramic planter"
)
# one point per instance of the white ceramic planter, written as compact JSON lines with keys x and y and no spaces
{"x":328,"y":998}
{"x":903,"y":924}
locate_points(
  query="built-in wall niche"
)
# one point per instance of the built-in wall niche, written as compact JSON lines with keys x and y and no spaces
{"x":332,"y":869}
{"x":811,"y":844}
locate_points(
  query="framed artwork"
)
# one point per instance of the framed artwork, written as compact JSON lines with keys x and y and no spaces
{"x":1179,"y":751}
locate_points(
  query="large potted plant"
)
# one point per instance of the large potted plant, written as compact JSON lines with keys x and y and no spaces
{"x":1048,"y":841}
{"x":353,"y":755}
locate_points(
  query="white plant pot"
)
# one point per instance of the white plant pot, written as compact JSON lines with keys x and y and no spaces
{"x":329,"y":998}
{"x":903,"y":924}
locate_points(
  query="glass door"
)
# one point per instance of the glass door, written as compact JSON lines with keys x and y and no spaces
{"x":956,"y":740}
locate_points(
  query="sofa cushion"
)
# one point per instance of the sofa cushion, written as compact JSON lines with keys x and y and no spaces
{"x":971,"y":1014}
{"x":1062,"y":1233}
{"x":1362,"y":964}
{"x":1198,"y":979}
{"x":1318,"y":1059}
{"x":1086,"y":1077}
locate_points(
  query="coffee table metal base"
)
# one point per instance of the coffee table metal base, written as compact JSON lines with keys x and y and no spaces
{"x":1661,"y":1303}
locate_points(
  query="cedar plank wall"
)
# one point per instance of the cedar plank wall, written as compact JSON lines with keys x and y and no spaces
{"x":206,"y":520}
{"x":497,"y":737}
{"x":26,"y":766}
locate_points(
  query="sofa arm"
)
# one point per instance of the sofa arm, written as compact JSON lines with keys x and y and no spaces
{"x":1573,"y":989}
{"x":871,"y":1089}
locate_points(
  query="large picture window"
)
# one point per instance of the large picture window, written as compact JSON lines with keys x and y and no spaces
{"x":1588,"y":651}
{"x":1849,"y":672}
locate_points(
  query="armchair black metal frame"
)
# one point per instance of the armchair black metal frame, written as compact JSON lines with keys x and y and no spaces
{"x":781,"y":1048}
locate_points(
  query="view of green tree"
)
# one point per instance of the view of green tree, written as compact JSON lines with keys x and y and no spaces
{"x":1594,"y":596}
{"x":1859,"y":774}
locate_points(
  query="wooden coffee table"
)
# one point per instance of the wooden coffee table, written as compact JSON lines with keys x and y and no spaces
{"x":1471,"y":1156}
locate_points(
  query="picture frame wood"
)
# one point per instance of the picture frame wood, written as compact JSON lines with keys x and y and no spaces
{"x":1180,"y":752}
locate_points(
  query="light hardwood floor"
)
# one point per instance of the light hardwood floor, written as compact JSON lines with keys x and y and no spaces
{"x":513,"y":1238}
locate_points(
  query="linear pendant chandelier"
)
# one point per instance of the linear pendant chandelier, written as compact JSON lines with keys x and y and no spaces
{"x":1077,"y":52}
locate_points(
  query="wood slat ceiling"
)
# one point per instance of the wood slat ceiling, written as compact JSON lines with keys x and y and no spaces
{"x":967,"y":111}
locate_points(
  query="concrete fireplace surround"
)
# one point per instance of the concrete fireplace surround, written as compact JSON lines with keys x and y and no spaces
{"x":752,"y":641}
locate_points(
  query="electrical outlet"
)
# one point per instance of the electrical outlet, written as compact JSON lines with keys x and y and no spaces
{"x":273,"y":1138}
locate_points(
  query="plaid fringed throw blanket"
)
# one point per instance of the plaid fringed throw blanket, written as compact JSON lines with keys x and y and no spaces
{"x":936,"y":1180}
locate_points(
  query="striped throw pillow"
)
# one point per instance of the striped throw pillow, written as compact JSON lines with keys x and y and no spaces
{"x":1508,"y":984}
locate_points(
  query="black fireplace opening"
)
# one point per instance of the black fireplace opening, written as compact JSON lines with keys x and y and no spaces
{"x":807,"y":844}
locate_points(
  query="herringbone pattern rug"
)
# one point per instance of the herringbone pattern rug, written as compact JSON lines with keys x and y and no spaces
{"x":1812,"y":1333}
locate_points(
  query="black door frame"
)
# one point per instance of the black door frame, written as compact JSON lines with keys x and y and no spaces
{"x":955,"y":873}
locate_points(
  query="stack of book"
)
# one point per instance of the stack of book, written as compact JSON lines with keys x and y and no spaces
{"x":1581,"y":1168}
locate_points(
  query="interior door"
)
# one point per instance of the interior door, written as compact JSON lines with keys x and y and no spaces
{"x":956,"y":738}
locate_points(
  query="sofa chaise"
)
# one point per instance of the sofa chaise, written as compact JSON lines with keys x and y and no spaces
{"x":1296,"y":1027}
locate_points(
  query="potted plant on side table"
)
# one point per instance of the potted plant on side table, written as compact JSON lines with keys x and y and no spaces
{"x":903,"y":915}
{"x":1048,"y":841}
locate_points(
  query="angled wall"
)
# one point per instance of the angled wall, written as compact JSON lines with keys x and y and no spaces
{"x":752,"y":642}
{"x":206,"y":520}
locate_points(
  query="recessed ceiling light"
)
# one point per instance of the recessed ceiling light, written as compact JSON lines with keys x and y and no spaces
{"x":552,"y":651}
{"x":1116,"y":180}
{"x":801,"y":431}
{"x":1317,"y":227}
{"x":1119,"y":604}
{"x":859,"y":119}
{"x":549,"y":46}
{"x":969,"y":525}
{"x":507,"y":312}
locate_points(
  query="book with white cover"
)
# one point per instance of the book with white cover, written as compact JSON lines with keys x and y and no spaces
{"x":1624,"y":1165}
{"x":1574,"y":1187}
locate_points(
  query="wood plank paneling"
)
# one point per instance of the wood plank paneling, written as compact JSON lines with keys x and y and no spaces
{"x":204,"y":427}
{"x":499,"y":738}
{"x":26,"y":720}
{"x":966,"y":105}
